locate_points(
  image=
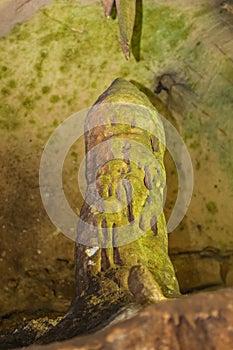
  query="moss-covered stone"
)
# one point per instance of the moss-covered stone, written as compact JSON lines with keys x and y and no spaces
{"x":77,"y":53}
{"x":132,"y":187}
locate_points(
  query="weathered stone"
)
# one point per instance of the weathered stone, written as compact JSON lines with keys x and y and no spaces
{"x":201,"y":59}
{"x":202,"y":321}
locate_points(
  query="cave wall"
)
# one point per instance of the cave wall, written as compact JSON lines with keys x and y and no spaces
{"x":59,"y":62}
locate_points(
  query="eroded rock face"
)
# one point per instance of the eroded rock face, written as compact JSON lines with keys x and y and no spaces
{"x":198,"y":49}
{"x":110,"y":275}
{"x":124,"y":140}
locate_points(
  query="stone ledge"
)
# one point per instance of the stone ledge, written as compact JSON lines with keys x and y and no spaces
{"x":200,"y":321}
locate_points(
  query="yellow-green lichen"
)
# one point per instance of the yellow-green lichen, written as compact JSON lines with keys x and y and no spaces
{"x":131,"y":184}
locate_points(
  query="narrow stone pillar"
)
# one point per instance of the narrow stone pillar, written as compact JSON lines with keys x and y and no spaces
{"x":122,"y":245}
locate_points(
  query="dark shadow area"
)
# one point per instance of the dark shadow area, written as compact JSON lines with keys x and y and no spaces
{"x":155,"y":100}
{"x":113,"y":11}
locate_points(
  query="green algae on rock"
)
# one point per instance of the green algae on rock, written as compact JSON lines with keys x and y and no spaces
{"x":120,"y":132}
{"x":176,"y":37}
{"x":113,"y":277}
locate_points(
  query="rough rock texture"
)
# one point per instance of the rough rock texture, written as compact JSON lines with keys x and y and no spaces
{"x":124,"y":166}
{"x":112,"y":275}
{"x":202,"y":321}
{"x":47,"y":73}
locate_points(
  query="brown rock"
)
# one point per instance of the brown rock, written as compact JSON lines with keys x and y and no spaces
{"x":201,"y":321}
{"x":196,"y":272}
